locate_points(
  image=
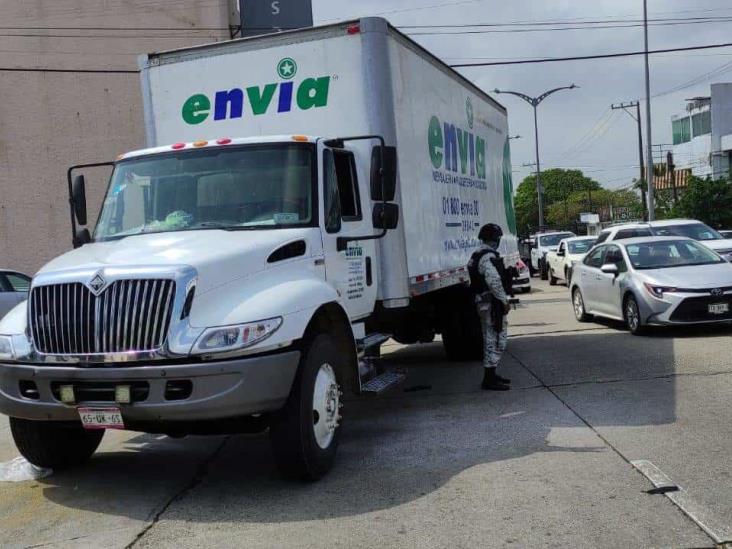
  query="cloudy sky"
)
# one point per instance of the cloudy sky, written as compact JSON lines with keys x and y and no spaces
{"x":577,"y":128}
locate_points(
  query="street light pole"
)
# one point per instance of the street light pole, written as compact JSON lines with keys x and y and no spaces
{"x":649,"y":141}
{"x":534,"y":102}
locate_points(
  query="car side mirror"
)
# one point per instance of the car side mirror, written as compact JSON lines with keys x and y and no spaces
{"x":78,"y":196}
{"x":610,"y":268}
{"x":385,"y":216}
{"x":561,"y":253}
{"x":383,"y":165}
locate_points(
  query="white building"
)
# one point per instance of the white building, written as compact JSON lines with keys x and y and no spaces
{"x":702,"y":135}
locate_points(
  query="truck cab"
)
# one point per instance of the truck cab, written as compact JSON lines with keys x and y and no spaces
{"x":542,"y":244}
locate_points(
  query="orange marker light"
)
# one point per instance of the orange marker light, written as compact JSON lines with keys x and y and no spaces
{"x":177,"y":146}
{"x":299,"y":138}
{"x":200,"y":143}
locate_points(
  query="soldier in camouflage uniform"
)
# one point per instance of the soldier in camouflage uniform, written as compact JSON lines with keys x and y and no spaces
{"x":492,"y":304}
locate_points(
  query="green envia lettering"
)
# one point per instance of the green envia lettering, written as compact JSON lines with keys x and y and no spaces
{"x":313,"y":92}
{"x":435,"y":142}
{"x":261,"y":100}
{"x":463,"y":139}
{"x":480,"y":157}
{"x":196,"y":109}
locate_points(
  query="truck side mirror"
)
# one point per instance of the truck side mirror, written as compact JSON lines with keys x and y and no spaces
{"x":385,"y":216}
{"x":560,"y":253}
{"x":388,"y":169}
{"x":78,"y":198}
{"x":82,"y":237}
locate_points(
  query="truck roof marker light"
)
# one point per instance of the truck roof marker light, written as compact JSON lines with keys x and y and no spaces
{"x":223,"y":141}
{"x":353,"y":29}
{"x":200,"y":143}
{"x":299,"y":137}
{"x":177,"y":146}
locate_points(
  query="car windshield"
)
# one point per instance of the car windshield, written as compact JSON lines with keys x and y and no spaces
{"x":553,"y":239}
{"x":670,"y":253}
{"x":697,"y":231}
{"x":237,"y":188}
{"x":580,"y":246}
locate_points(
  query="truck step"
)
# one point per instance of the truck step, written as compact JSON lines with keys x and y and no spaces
{"x":372,"y":340}
{"x":383,"y":382}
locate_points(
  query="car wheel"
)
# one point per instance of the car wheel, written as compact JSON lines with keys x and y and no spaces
{"x":552,"y":279}
{"x":631,"y":313}
{"x":305,"y":433}
{"x":526,"y":290}
{"x":578,"y":304}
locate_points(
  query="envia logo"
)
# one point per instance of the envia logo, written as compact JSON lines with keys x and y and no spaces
{"x":448,"y":143}
{"x":231,"y":103}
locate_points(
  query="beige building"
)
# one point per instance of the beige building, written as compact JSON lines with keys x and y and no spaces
{"x":56,"y":112}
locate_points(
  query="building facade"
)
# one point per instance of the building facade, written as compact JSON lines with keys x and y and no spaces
{"x":702,"y":134}
{"x":62,"y":102}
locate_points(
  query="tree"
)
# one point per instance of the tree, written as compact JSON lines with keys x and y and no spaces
{"x":708,"y":200}
{"x":565,"y":212}
{"x":558,"y":185}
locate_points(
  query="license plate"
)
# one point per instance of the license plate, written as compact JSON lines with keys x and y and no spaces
{"x":718,"y":308}
{"x":101,"y":418}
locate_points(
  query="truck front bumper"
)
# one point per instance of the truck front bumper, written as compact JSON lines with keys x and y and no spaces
{"x":218,"y":390}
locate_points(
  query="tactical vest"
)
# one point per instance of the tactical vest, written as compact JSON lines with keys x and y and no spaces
{"x":477,"y":281}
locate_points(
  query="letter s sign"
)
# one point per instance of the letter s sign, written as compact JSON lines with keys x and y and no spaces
{"x":275,"y":7}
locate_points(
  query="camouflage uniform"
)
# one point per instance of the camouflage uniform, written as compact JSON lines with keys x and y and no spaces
{"x":494,"y":343}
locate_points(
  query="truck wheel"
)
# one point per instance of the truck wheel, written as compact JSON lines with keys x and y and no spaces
{"x":567,"y":276}
{"x":305,"y":433}
{"x":552,"y":279}
{"x":462,"y":336}
{"x":53,"y":444}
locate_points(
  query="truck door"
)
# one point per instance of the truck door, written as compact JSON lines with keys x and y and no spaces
{"x":352,"y":272}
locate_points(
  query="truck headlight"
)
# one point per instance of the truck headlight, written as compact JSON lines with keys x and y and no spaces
{"x":239,"y":336}
{"x":6,"y":347}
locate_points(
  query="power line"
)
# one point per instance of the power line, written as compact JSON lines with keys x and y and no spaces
{"x":726,"y":67}
{"x":586,"y":57}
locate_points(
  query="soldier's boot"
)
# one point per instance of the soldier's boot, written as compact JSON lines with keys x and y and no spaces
{"x":503,"y":380}
{"x":491,"y":381}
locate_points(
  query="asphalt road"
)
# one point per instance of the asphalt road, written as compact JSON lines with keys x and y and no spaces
{"x":440,"y":463}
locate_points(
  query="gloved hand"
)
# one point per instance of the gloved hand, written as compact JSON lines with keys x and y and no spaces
{"x":506,"y":308}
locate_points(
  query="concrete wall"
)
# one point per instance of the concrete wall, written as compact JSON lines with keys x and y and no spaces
{"x":721,"y":126}
{"x":52,"y":120}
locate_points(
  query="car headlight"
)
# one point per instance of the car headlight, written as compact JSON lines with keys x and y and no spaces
{"x":6,"y":347}
{"x":231,"y":338}
{"x":658,"y":291}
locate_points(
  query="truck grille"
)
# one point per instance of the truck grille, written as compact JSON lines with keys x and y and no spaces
{"x":129,"y":315}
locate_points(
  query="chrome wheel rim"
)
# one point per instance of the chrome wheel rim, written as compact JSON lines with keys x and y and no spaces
{"x":631,"y":314}
{"x":326,"y":406}
{"x":579,"y":306}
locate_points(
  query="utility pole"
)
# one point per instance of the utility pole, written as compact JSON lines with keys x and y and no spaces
{"x":637,"y":118}
{"x":671,"y":172}
{"x":534,"y":102}
{"x":649,"y":140}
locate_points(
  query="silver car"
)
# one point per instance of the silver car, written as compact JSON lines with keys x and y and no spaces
{"x":653,"y":281}
{"x":13,"y":290}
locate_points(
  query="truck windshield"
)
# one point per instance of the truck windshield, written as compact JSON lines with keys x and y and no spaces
{"x":553,"y":239}
{"x":697,"y":231}
{"x":237,"y":188}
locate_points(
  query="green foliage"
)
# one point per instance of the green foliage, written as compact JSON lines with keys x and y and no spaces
{"x":708,"y":200}
{"x":564,"y":212}
{"x":558,"y":185}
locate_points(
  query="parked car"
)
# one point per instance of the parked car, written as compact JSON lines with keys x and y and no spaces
{"x":569,"y":252}
{"x":653,"y":281}
{"x":543,"y":243}
{"x":13,"y":290}
{"x":522,"y":278}
{"x":622,"y":231}
{"x":726,"y":234}
{"x":687,"y":228}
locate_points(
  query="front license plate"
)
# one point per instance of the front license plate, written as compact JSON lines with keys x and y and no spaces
{"x":101,"y":418}
{"x":718,"y":308}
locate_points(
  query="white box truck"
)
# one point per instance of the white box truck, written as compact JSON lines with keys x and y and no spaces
{"x":246,"y":266}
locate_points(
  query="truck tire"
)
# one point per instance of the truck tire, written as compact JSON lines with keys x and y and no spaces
{"x":552,"y":279}
{"x":462,"y":336}
{"x":54,"y":444}
{"x":543,"y":269}
{"x":305,"y":433}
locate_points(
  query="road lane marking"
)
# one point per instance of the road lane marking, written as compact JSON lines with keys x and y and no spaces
{"x":703,"y":517}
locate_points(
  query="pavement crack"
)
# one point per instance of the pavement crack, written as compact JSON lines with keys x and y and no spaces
{"x":599,"y":435}
{"x":197,"y":479}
